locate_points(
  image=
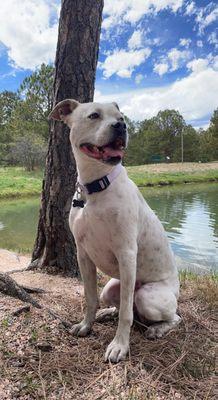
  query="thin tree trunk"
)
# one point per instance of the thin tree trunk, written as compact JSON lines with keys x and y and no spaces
{"x":75,"y":68}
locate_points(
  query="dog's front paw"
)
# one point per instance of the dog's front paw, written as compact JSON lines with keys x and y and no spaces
{"x":81,"y":329}
{"x":116,"y":351}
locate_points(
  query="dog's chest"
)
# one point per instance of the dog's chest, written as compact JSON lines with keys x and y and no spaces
{"x":92,"y":233}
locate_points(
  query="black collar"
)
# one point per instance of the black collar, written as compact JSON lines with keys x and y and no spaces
{"x":98,"y":185}
{"x":95,"y":186}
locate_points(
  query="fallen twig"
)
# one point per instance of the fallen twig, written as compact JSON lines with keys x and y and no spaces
{"x":33,"y":289}
{"x":20,"y":310}
{"x":14,"y":271}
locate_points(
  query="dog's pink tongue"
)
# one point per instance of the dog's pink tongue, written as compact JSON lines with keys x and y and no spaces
{"x":109,"y":152}
{"x":94,"y":152}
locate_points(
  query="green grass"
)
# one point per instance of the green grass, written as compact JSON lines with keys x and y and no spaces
{"x":205,"y":287}
{"x":143,"y":178}
{"x":15,"y":182}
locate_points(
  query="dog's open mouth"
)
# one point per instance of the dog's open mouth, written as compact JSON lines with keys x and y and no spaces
{"x":111,"y":152}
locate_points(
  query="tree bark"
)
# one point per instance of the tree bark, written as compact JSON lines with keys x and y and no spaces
{"x":11,"y":288}
{"x":75,"y":68}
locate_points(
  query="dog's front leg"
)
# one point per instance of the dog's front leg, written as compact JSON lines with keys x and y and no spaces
{"x":119,"y":347}
{"x":88,"y":272}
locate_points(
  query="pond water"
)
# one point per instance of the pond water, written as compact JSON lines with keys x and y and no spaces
{"x":189,"y":214}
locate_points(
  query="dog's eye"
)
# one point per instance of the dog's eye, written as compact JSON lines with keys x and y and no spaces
{"x":94,"y":115}
{"x":121,"y":119}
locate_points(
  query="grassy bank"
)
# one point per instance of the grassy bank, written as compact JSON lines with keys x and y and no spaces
{"x":169,"y":174}
{"x":15,"y":181}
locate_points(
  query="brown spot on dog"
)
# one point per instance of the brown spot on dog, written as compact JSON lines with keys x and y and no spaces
{"x":157,"y":248}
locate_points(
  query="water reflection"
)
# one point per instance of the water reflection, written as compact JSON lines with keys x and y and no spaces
{"x":18,"y":221}
{"x":190,"y":216}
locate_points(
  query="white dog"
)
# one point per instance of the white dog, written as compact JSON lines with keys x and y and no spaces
{"x":116,"y":231}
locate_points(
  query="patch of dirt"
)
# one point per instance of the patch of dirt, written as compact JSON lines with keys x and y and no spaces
{"x":176,"y":167}
{"x":10,"y":261}
{"x":40,"y":360}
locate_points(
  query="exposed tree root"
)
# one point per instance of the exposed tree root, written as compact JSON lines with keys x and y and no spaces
{"x":21,"y":310}
{"x":9,"y":287}
{"x":15,"y":271}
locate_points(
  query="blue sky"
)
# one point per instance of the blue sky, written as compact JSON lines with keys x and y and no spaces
{"x":154,"y":54}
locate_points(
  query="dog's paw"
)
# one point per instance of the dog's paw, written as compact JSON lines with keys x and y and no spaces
{"x":116,"y":351}
{"x":82,"y":329}
{"x":154,"y":332}
{"x":159,"y":329}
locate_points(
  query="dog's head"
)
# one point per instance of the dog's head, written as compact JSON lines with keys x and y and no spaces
{"x":96,"y":130}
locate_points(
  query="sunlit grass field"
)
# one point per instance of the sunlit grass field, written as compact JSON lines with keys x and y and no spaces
{"x":16,"y":181}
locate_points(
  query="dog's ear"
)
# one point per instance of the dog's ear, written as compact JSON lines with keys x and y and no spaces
{"x":63,"y":110}
{"x":116,"y":105}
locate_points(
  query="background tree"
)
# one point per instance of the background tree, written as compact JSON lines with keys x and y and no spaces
{"x":159,"y":140}
{"x":8,"y":103}
{"x":28,"y":151}
{"x":37,"y":89}
{"x":75,"y":68}
{"x":213,"y":135}
{"x":169,"y":124}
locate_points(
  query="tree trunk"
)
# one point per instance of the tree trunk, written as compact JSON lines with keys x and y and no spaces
{"x":75,"y":68}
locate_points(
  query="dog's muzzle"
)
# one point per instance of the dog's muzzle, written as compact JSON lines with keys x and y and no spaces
{"x":113,"y":151}
{"x":120,"y":131}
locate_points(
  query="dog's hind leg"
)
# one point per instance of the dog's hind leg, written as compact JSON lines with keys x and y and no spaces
{"x":106,"y":314}
{"x":156,"y":302}
{"x":110,"y":296}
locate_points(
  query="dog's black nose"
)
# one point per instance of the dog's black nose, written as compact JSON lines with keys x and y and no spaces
{"x":119,"y":126}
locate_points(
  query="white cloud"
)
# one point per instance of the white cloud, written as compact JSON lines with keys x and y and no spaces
{"x":27,"y":32}
{"x":123,"y":62}
{"x":177,"y":58}
{"x":203,"y":19}
{"x":213,"y":39}
{"x":161,"y":68}
{"x":135,"y":40}
{"x":190,"y":8}
{"x":138,"y":78}
{"x":211,"y":17}
{"x":199,"y":43}
{"x":198,"y":65}
{"x":185,"y":42}
{"x":194,"y":96}
{"x":204,"y":16}
{"x":133,"y":10}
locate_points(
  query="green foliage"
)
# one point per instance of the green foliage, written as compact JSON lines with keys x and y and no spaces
{"x":8,"y":103}
{"x":213,"y":135}
{"x":24,"y":119}
{"x":29,"y":152}
{"x":159,"y":139}
{"x":37,"y":91}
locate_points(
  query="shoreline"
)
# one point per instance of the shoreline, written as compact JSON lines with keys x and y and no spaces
{"x":18,"y":260}
{"x":15,"y":182}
